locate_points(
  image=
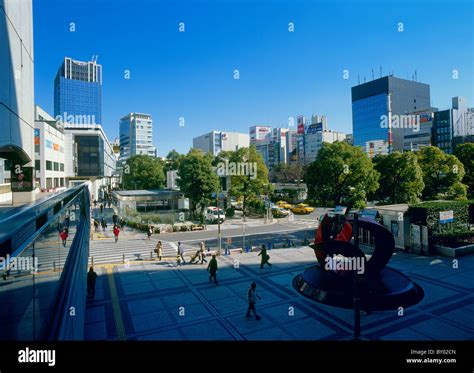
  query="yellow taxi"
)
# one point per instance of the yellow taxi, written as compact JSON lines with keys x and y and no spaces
{"x":302,"y":208}
{"x":283,"y":204}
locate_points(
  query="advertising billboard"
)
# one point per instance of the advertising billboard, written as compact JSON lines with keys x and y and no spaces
{"x":22,"y":179}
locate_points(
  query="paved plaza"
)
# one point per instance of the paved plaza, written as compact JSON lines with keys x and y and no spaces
{"x":151,"y":300}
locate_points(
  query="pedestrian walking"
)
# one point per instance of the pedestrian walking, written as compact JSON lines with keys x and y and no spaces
{"x":212,"y":268}
{"x":103,"y":223}
{"x":149,"y":231}
{"x":101,"y":208}
{"x":67,"y":220}
{"x":116,"y":232}
{"x":91,"y":279}
{"x":202,"y":255}
{"x":265,"y":257}
{"x":64,"y":235}
{"x":159,"y":250}
{"x":95,"y":203}
{"x":196,"y":257}
{"x":181,"y":252}
{"x":122,"y":223}
{"x":252,"y":300}
{"x":115,"y":218}
{"x":96,"y":225}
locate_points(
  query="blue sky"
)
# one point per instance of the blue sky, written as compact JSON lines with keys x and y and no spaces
{"x":282,"y":74}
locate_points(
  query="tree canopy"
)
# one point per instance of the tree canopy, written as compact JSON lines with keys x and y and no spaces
{"x":465,"y":153}
{"x":143,"y":172}
{"x":341,"y":174}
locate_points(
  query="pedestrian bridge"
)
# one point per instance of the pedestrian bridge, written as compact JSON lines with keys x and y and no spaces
{"x":43,"y":284}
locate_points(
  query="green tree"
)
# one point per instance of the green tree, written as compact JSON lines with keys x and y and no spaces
{"x":197,"y":179}
{"x":442,"y":174}
{"x":341,"y":174}
{"x":249,"y":185}
{"x":465,"y":153}
{"x":173,"y":159}
{"x":143,"y":172}
{"x":286,"y":173}
{"x":401,"y":179}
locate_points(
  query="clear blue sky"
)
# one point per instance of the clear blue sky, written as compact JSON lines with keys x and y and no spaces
{"x":282,"y":74}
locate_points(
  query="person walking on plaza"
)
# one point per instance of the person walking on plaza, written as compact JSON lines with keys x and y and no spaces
{"x":96,"y":225}
{"x":149,"y":231}
{"x":181,"y":252}
{"x":212,"y":268}
{"x":265,"y":257}
{"x":116,"y":232}
{"x":202,"y":255}
{"x":101,"y":208}
{"x":91,"y":278}
{"x":64,"y":235}
{"x":115,"y":218}
{"x":103,"y":223}
{"x":252,"y":299}
{"x":159,"y":250}
{"x":67,"y":220}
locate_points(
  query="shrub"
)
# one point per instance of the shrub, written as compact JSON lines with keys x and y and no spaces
{"x":230,"y":212}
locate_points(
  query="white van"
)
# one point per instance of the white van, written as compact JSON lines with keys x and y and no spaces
{"x":214,"y":214}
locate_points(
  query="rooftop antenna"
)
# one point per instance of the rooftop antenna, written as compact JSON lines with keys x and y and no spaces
{"x":358,"y":79}
{"x":372,"y":73}
{"x":380,"y":70}
{"x":364,"y":78}
{"x":416,"y":77}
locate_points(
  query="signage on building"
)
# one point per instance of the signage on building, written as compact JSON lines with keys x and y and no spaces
{"x":314,"y":128}
{"x":300,"y":124}
{"x":37,"y":136}
{"x":446,"y":217}
{"x":22,"y":179}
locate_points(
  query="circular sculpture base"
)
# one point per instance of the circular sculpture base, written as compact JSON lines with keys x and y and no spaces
{"x":388,"y":290}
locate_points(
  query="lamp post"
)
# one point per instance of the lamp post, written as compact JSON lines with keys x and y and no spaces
{"x":356,"y":281}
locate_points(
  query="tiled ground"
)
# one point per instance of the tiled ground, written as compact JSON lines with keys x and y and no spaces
{"x":159,"y":301}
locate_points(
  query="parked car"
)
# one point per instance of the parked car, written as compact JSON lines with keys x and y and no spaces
{"x":302,"y":208}
{"x":214,"y":214}
{"x":284,"y":204}
{"x":279,"y":212}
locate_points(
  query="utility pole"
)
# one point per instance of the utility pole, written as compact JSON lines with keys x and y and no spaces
{"x":218,"y":226}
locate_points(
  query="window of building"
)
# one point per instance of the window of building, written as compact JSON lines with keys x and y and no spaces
{"x":49,"y":166}
{"x":49,"y":182}
{"x":56,"y":166}
{"x":61,"y":167}
{"x":37,"y":164}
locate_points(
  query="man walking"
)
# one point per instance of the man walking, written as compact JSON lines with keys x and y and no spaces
{"x":202,"y":254}
{"x":265,"y":257}
{"x":252,"y":299}
{"x":91,"y":278}
{"x":212,"y":268}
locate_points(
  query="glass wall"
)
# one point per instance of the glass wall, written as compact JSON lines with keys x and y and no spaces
{"x":366,"y":119}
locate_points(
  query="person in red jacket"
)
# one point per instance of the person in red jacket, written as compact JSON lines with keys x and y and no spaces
{"x":64,"y":235}
{"x":116,"y":232}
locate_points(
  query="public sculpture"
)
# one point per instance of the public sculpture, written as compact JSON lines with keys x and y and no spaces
{"x":340,"y":259}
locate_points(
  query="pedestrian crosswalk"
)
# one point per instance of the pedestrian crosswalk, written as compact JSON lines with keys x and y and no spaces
{"x":108,"y":251}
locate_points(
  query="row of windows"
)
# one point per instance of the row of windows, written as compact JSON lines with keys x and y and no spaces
{"x":50,"y":166}
{"x":54,"y":182}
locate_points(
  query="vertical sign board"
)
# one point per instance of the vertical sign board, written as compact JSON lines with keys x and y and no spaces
{"x":446,"y":217}
{"x":22,"y":179}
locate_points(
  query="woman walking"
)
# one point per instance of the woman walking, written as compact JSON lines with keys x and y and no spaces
{"x":116,"y":232}
{"x":64,"y":235}
{"x":159,"y":250}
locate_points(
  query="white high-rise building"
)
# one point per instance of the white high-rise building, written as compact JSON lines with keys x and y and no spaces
{"x":216,"y":141}
{"x":136,"y":136}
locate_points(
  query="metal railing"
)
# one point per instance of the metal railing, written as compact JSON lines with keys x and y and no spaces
{"x":42,"y":294}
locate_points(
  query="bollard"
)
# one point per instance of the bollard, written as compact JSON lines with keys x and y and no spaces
{"x":92,"y":261}
{"x":54,"y":266}
{"x":123,"y":258}
{"x":151,"y":254}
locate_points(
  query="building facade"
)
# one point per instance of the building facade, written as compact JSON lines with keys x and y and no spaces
{"x":78,"y":92}
{"x":136,"y":136}
{"x":49,"y":151}
{"x":377,"y":106}
{"x":420,"y":134}
{"x":453,"y":126}
{"x":216,"y":141}
{"x":17,"y":89}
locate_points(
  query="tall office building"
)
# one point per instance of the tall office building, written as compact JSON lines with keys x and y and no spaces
{"x":453,"y":126}
{"x":136,"y":136}
{"x":377,"y":106}
{"x":17,"y":94}
{"x":78,"y":92}
{"x":216,"y":141}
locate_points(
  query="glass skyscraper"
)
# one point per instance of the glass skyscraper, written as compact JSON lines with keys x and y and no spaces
{"x":78,"y":92}
{"x":373,"y":100}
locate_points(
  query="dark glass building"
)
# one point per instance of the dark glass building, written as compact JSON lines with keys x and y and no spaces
{"x":373,"y":100}
{"x":442,"y":131}
{"x":78,"y":92}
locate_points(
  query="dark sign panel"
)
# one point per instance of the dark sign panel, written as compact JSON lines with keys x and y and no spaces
{"x":22,"y":179}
